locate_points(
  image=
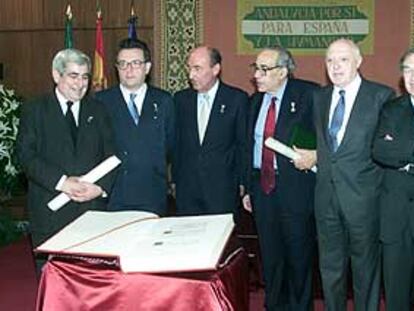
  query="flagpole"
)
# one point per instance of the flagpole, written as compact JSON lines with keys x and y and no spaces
{"x":68,"y":27}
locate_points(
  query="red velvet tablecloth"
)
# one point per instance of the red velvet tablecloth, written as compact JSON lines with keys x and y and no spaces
{"x":77,"y":285}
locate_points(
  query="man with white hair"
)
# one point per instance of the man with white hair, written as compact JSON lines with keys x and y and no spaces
{"x":348,"y":180}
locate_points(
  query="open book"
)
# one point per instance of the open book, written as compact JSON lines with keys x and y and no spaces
{"x":143,"y":242}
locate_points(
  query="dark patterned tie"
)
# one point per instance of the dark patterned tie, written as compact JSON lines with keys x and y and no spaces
{"x":337,"y":119}
{"x":267,"y":171}
{"x":70,"y":119}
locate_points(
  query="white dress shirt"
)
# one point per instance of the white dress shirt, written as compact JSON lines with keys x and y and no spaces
{"x":351,"y":91}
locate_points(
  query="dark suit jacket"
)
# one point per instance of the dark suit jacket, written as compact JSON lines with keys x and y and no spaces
{"x":290,"y":181}
{"x":215,"y":168}
{"x":350,"y":172}
{"x":46,"y":152}
{"x":394,"y":148}
{"x":142,"y":179}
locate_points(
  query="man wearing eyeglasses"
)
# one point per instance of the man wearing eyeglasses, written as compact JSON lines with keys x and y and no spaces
{"x":394,"y":149}
{"x":280,"y":195}
{"x":211,"y":132}
{"x":62,"y":136}
{"x":143,"y":120}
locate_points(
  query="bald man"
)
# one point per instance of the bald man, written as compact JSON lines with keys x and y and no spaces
{"x":348,"y":180}
{"x":211,"y":134}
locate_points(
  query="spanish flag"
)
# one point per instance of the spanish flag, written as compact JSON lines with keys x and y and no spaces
{"x":99,"y":80}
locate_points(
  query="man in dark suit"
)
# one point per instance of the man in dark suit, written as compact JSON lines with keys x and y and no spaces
{"x":394,"y":149}
{"x":62,"y":136}
{"x":348,"y":180}
{"x":281,"y":196}
{"x":143,"y":120}
{"x":211,"y":131}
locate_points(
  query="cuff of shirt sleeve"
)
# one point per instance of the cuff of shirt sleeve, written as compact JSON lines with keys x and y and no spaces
{"x":59,"y":185}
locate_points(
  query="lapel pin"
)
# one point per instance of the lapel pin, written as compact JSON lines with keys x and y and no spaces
{"x":292,"y":107}
{"x":155,"y":105}
{"x":89,"y":120}
{"x":222,"y":108}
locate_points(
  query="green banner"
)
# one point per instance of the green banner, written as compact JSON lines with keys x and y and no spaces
{"x":304,"y":27}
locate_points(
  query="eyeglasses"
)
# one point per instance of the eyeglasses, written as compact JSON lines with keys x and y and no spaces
{"x":262,"y":69}
{"x":136,"y":63}
{"x":407,"y":70}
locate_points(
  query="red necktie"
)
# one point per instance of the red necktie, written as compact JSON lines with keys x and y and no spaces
{"x":267,"y":171}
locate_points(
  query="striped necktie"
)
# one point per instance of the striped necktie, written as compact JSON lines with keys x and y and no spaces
{"x":337,"y":120}
{"x":133,"y":110}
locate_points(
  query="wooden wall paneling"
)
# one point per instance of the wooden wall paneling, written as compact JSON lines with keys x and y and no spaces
{"x":31,"y":32}
{"x":21,"y":14}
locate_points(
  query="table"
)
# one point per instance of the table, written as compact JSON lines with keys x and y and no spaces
{"x":85,"y":285}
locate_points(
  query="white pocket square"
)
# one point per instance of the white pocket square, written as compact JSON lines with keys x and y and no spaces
{"x":388,"y":137}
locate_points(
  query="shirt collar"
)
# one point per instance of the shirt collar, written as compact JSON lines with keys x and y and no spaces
{"x":279,"y":92}
{"x":351,"y":87}
{"x":62,"y":99}
{"x":139,"y":92}
{"x":211,"y":93}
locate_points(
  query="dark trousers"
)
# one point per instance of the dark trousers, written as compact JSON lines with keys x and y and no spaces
{"x":287,"y":251}
{"x":398,"y":267}
{"x":339,"y":241}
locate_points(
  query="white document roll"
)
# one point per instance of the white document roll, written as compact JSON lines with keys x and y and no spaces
{"x":92,"y":176}
{"x":283,"y":149}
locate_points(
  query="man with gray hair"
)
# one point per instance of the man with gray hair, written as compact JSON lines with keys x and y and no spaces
{"x":279,"y":194}
{"x":348,"y":180}
{"x":393,"y":148}
{"x":62,"y":136}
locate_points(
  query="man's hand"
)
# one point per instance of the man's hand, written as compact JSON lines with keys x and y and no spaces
{"x":307,"y":159}
{"x":247,"y":204}
{"x":90,"y":192}
{"x":72,"y":186}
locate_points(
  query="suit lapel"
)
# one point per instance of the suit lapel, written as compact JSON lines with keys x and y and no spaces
{"x":213,"y":119}
{"x":149,"y":107}
{"x":282,"y":122}
{"x":86,"y":116}
{"x":325,"y":107}
{"x":256,"y":104}
{"x":359,"y":109}
{"x":191,"y":109}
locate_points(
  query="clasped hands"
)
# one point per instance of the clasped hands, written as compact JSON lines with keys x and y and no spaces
{"x":80,"y":191}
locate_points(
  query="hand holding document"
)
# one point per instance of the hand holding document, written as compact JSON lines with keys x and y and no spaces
{"x":284,"y":150}
{"x":92,"y":176}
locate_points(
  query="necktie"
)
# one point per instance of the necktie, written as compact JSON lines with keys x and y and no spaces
{"x":203,"y":116}
{"x":133,"y":111}
{"x":267,"y":171}
{"x":337,"y":119}
{"x":70,"y":119}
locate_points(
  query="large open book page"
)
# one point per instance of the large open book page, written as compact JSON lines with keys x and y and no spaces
{"x":145,"y":243}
